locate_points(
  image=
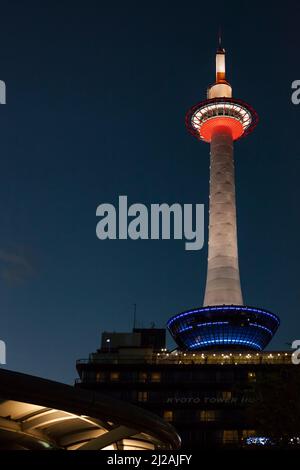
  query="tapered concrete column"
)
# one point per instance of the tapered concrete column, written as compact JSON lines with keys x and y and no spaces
{"x":223,"y":278}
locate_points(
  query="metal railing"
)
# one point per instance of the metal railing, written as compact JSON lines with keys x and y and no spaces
{"x":189,"y":358}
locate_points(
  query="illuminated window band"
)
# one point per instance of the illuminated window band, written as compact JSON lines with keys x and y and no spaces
{"x":199,"y":116}
{"x":224,"y":307}
{"x":211,"y":323}
{"x":222,"y":323}
{"x":185,"y":329}
{"x":260,"y":326}
{"x":204,"y":324}
{"x":223,"y":326}
{"x":236,"y":341}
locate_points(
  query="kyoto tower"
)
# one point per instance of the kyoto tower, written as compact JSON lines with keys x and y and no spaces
{"x":224,"y":322}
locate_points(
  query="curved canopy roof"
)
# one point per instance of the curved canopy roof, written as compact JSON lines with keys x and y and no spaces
{"x":37,"y":413}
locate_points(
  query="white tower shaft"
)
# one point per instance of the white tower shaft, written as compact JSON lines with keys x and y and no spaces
{"x":223,"y":278}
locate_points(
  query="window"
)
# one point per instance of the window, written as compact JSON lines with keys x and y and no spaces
{"x":225,"y":376}
{"x":230,"y":436}
{"x":100,"y":377}
{"x":207,"y":415}
{"x":143,"y":377}
{"x":248,"y":433}
{"x":168,"y":415}
{"x":226,"y":396}
{"x":142,"y":396}
{"x":128,"y":376}
{"x":155,"y":377}
{"x":114,"y":376}
{"x":251,"y":377}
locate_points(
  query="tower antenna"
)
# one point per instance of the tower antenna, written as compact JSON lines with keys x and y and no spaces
{"x":220,"y":39}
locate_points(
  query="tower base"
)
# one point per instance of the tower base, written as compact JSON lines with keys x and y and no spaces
{"x":223,"y":327}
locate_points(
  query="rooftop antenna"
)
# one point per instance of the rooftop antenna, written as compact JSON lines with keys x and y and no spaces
{"x":134,"y":316}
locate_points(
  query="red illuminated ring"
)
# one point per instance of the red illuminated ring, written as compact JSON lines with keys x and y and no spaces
{"x":239,"y":116}
{"x":208,"y":127}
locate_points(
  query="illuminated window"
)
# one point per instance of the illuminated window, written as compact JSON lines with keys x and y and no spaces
{"x":251,"y":377}
{"x":100,"y":377}
{"x":230,"y":436}
{"x":114,"y":376}
{"x":143,"y":377}
{"x":207,"y":415}
{"x":226,"y":396}
{"x":155,"y":377}
{"x":142,"y":396}
{"x":168,"y":415}
{"x":248,"y":433}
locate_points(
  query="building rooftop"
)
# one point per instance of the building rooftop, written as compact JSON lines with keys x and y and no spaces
{"x":165,"y":357}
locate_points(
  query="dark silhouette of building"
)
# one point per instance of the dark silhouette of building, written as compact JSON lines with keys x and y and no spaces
{"x":206,"y":396}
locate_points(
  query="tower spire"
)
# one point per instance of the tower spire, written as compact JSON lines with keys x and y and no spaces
{"x":220,"y":38}
{"x":221,"y":88}
{"x":220,"y":64}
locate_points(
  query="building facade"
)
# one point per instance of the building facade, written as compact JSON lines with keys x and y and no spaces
{"x":206,"y":396}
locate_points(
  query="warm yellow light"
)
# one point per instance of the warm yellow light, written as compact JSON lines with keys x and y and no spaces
{"x":220,"y":66}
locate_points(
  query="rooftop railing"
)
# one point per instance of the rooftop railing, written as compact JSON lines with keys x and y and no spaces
{"x":188,"y":358}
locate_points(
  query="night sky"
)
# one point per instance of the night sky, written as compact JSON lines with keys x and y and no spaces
{"x":96,"y":98}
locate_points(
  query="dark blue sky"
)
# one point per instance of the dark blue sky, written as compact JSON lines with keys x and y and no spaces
{"x":96,"y":97}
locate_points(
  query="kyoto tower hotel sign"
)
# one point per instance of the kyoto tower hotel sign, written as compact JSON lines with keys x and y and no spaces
{"x":224,"y":322}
